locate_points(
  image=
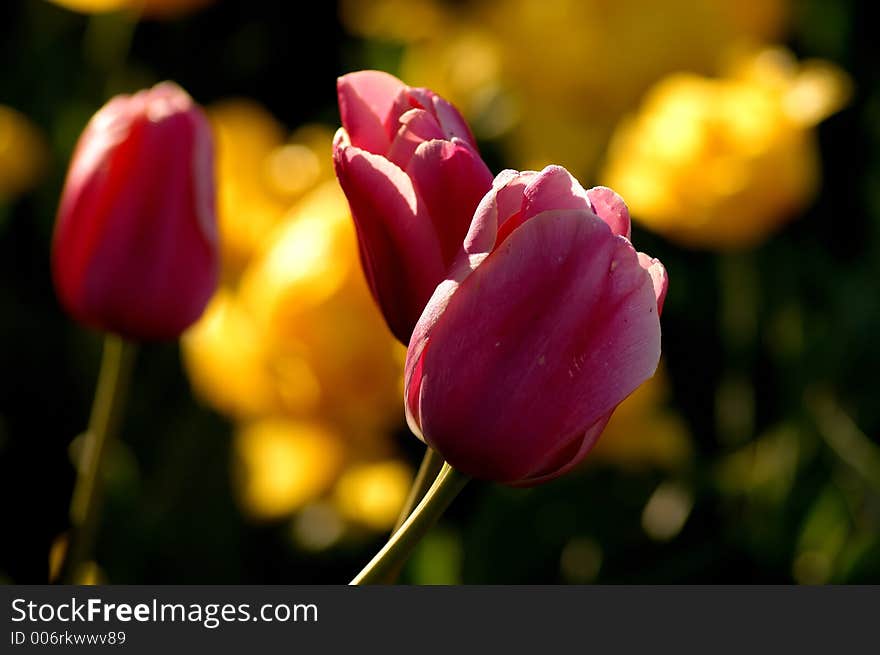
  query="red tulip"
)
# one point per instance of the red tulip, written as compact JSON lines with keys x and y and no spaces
{"x":548,"y":320}
{"x":135,"y":248}
{"x":409,"y":166}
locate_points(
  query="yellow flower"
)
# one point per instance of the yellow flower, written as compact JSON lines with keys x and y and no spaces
{"x":227,"y":362}
{"x":372,"y":494}
{"x":281,"y":465}
{"x":722,"y":162}
{"x":643,"y":432}
{"x":306,"y":292}
{"x":308,"y":259}
{"x":300,"y":336}
{"x":552,"y":77}
{"x":292,"y":347}
{"x":23,"y":153}
{"x":148,"y":8}
{"x":246,"y":134}
{"x":260,"y":173}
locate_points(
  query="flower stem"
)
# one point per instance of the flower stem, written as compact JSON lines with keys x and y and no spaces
{"x":116,"y":364}
{"x":427,"y":473}
{"x":394,"y":553}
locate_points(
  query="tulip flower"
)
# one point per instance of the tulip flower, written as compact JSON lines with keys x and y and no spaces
{"x":135,"y":248}
{"x":409,"y":166}
{"x":722,"y":163}
{"x":135,"y":254}
{"x":549,"y":319}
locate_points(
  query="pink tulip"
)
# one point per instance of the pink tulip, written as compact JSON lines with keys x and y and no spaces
{"x":135,"y":248}
{"x":409,"y":166}
{"x":548,"y":320}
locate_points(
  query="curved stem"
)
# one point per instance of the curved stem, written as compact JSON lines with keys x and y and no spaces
{"x":427,"y":473}
{"x":395,"y":552}
{"x":845,"y":438}
{"x":116,"y":364}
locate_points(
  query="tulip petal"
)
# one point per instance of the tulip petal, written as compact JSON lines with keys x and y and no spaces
{"x":562,"y":310}
{"x":399,"y":251}
{"x":365,"y":100}
{"x":407,"y":98}
{"x":553,"y":188}
{"x":453,"y":123}
{"x":611,"y":208}
{"x":451,"y":178}
{"x":658,"y":277}
{"x":567,"y":459}
{"x":101,"y":161}
{"x":500,"y":203}
{"x":135,"y":246}
{"x":416,"y":127}
{"x":154,"y":236}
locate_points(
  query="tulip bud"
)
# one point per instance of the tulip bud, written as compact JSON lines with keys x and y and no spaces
{"x":409,"y":166}
{"x":548,"y":320}
{"x":135,"y":248}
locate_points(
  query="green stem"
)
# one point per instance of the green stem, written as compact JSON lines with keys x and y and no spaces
{"x":428,"y":472}
{"x":395,"y":552}
{"x":845,"y":438}
{"x":116,"y":364}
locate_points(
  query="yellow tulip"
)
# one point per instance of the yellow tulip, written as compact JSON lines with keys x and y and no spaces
{"x":553,"y":77}
{"x":246,"y":135}
{"x":307,"y":293}
{"x":292,"y":347}
{"x":281,"y":465}
{"x":298,"y":334}
{"x":227,"y":362}
{"x":306,"y":260}
{"x":372,"y":494}
{"x":260,"y":174}
{"x":723,"y":162}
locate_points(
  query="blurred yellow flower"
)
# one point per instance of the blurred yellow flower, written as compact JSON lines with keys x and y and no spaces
{"x":299,"y":334}
{"x":280,"y":465}
{"x":147,"y":8}
{"x":293,"y":340}
{"x":372,"y":494}
{"x":553,"y":76}
{"x":246,"y":136}
{"x":260,"y":173}
{"x":307,"y":293}
{"x":308,"y":259}
{"x":644,"y":433}
{"x":722,"y":162}
{"x":227,"y":360}
{"x":23,"y":153}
